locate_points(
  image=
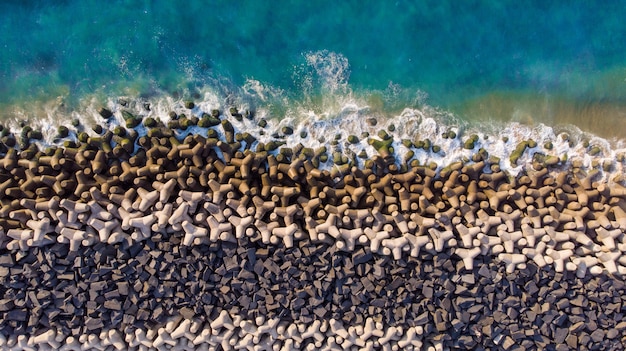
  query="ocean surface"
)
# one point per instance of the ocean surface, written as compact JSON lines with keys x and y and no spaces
{"x":482,"y":65}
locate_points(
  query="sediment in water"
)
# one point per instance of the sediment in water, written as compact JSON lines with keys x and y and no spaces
{"x":206,"y":225}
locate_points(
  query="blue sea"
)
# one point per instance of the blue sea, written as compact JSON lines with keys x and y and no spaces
{"x":479,"y":64}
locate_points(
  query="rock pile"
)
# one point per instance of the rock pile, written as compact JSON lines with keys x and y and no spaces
{"x":118,"y":235}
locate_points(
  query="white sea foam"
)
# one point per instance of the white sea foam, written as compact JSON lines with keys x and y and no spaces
{"x":350,"y":118}
{"x":326,"y":110}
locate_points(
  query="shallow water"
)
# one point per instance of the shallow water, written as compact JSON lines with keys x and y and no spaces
{"x":557,"y":63}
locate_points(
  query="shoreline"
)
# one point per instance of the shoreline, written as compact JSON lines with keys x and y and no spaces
{"x":118,"y":187}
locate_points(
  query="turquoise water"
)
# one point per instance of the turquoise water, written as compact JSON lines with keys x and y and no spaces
{"x":536,"y":61}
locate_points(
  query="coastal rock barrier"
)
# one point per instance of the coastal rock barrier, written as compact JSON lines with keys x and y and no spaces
{"x":117,"y":241}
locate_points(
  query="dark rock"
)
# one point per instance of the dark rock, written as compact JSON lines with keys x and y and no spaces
{"x":20,"y":315}
{"x":93,"y":323}
{"x":560,"y":320}
{"x":361,"y":257}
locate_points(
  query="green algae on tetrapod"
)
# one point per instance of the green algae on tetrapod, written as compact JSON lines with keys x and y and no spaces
{"x":286,"y":151}
{"x":551,"y":160}
{"x":548,"y":145}
{"x":63,"y":132}
{"x":519,"y":151}
{"x":469,"y":144}
{"x":595,"y":150}
{"x":427,"y":144}
{"x":126,"y":115}
{"x":383,"y":135}
{"x":409,"y":155}
{"x":149,"y":122}
{"x":353,"y":139}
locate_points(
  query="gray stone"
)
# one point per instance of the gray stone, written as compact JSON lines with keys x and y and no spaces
{"x":422,"y":319}
{"x":597,"y":335}
{"x":367,"y":284}
{"x":187,"y":313}
{"x":562,"y":347}
{"x":572,"y":341}
{"x":6,"y":305}
{"x":584,"y":338}
{"x":6,"y":260}
{"x":512,"y":313}
{"x":93,"y":323}
{"x":560,"y":334}
{"x":484,"y":271}
{"x":468,"y":279}
{"x":378,"y":303}
{"x":113,"y":305}
{"x":271,"y":266}
{"x":563,"y":304}
{"x":579,"y":301}
{"x":508,"y":343}
{"x":122,"y":288}
{"x":612,"y":333}
{"x":259,"y":268}
{"x":576,"y":319}
{"x":466,"y":341}
{"x":396,"y":283}
{"x":320,"y":312}
{"x":560,"y":319}
{"x":427,"y":291}
{"x":474,"y":309}
{"x":465,"y":302}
